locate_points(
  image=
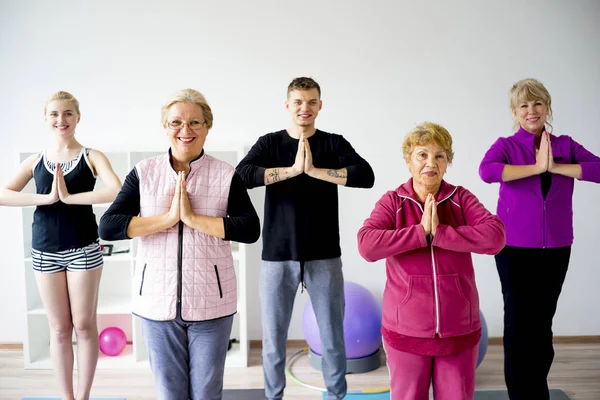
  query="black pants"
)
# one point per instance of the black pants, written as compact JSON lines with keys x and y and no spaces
{"x":531,"y":283}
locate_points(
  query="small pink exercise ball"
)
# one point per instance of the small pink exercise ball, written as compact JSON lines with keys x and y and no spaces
{"x":112,"y":341}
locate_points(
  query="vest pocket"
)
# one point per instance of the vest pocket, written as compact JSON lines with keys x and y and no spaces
{"x":219,"y":282}
{"x":142,"y":282}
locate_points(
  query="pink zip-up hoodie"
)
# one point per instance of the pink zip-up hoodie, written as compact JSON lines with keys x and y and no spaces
{"x":430,"y":287}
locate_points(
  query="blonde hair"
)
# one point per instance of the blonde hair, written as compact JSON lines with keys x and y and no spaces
{"x":62,"y":95}
{"x":188,"y":96}
{"x":530,"y":90}
{"x":426,"y":133}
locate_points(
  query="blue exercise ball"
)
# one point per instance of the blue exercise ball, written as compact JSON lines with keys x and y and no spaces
{"x":483,"y":342}
{"x":362,"y":323}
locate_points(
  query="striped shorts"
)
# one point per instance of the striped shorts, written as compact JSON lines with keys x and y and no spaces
{"x":82,"y":259}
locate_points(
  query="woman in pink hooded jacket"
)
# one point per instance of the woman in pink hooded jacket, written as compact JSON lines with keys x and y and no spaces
{"x":426,"y":229}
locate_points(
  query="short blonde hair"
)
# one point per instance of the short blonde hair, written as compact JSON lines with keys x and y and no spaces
{"x":188,"y":96}
{"x":530,"y":90}
{"x":62,"y":95}
{"x":426,"y":133}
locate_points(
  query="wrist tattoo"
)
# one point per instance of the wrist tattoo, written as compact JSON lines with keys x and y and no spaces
{"x":336,"y":174}
{"x":274,"y":175}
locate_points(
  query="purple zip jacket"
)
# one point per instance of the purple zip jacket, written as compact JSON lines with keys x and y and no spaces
{"x":530,"y":220}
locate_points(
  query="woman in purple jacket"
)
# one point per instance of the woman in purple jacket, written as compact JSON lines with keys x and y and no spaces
{"x":536,"y":171}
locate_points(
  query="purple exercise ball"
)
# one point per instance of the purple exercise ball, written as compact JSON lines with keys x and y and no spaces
{"x":483,"y":342}
{"x":362,"y":323}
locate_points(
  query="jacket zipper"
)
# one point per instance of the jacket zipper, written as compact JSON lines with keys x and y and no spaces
{"x":435,"y":288}
{"x":179,"y":265}
{"x":143,"y":273}
{"x":219,"y":282}
{"x":544,"y":226}
{"x":435,"y":293}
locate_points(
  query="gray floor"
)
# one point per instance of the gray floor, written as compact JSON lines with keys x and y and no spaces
{"x":244,"y":394}
{"x":502,"y":395}
{"x":258,"y":394}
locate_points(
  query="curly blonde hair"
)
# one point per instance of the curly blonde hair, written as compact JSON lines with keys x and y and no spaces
{"x":426,"y":133}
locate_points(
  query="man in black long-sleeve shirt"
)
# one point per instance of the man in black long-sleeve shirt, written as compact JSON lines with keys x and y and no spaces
{"x":302,"y":167}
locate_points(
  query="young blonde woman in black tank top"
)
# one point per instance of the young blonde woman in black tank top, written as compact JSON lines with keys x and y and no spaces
{"x":65,"y":252}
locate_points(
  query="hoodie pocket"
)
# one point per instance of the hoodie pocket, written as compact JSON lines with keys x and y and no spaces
{"x":219,"y":282}
{"x":416,"y":312}
{"x":142,"y":282}
{"x":455,"y":308}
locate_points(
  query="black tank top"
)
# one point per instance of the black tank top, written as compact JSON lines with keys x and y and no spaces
{"x":58,"y":226}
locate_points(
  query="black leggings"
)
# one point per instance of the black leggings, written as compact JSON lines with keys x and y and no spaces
{"x":531,"y":280}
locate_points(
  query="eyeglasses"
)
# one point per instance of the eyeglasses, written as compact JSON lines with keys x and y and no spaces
{"x":177,"y":124}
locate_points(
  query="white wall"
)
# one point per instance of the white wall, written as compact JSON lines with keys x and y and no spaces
{"x":383,"y":65}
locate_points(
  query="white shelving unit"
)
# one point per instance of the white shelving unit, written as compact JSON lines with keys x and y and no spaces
{"x":114,"y":302}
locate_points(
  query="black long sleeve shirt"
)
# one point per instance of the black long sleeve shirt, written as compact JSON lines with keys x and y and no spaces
{"x":301,"y":221}
{"x":241,"y":224}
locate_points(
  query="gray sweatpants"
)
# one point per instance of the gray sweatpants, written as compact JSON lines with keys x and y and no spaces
{"x":188,"y":358}
{"x":278,"y":284}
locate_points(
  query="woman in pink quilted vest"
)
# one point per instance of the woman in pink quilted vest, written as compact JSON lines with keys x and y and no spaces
{"x":426,"y":230}
{"x":185,"y":207}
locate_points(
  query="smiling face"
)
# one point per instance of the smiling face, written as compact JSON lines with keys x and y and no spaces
{"x":531,"y":105}
{"x":62,"y":117}
{"x":304,"y":106}
{"x":427,"y":164}
{"x":186,"y":129}
{"x":531,"y":115}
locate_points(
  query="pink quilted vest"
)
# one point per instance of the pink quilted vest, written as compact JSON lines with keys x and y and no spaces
{"x":181,"y":264}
